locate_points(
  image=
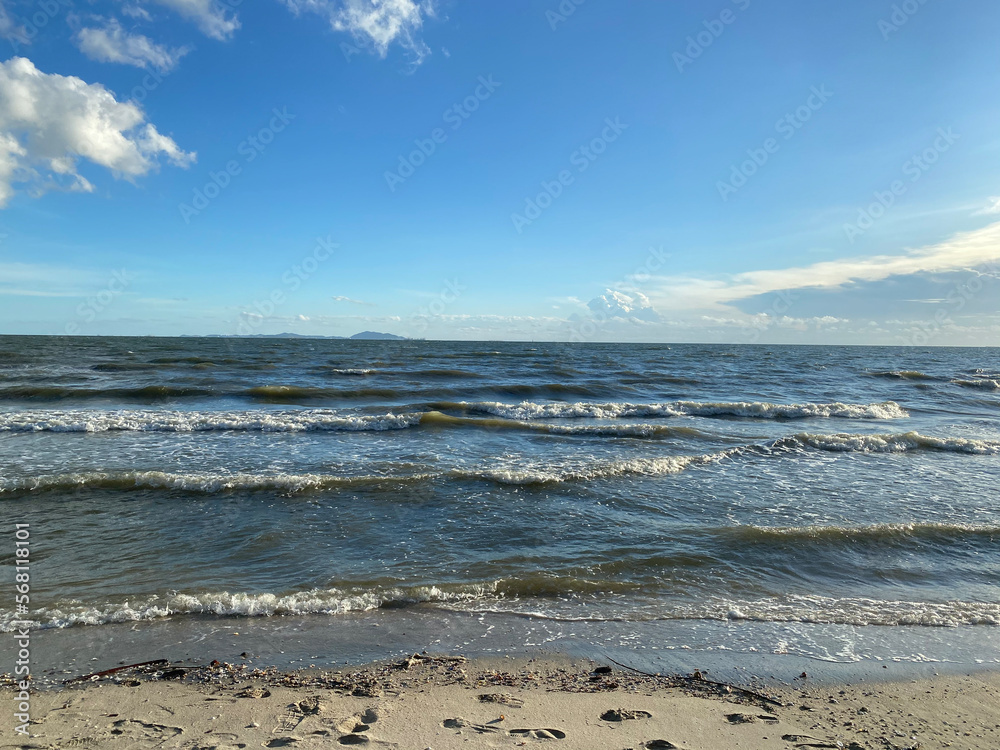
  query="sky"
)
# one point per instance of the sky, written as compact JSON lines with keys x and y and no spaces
{"x":701,"y":171}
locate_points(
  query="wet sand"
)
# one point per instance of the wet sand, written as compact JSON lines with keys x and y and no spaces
{"x":450,"y":702}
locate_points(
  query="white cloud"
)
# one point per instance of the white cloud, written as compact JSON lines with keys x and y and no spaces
{"x":764,"y":321}
{"x":210,"y":16}
{"x":631,"y":306}
{"x":341,"y":298}
{"x":962,"y":251}
{"x":112,"y":43}
{"x":992,"y":207}
{"x":378,"y":23}
{"x":39,"y":280}
{"x":48,"y":121}
{"x":136,"y":11}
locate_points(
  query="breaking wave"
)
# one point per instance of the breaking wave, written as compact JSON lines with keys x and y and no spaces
{"x":513,"y":471}
{"x":199,"y":421}
{"x":986,"y":384}
{"x":616,"y":410}
{"x":516,"y":596}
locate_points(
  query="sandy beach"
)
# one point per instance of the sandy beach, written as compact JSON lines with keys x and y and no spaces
{"x":443,"y":702}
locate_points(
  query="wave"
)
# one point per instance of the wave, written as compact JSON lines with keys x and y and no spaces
{"x":519,"y":474}
{"x":875,"y":533}
{"x":351,"y":371}
{"x":986,"y":384}
{"x":514,"y":471}
{"x":240,"y":604}
{"x":856,"y":611}
{"x":144,"y":393}
{"x":791,"y":608}
{"x":903,"y":375}
{"x":195,"y":421}
{"x":536,"y":596}
{"x":301,"y":421}
{"x":891,"y":443}
{"x":437,"y":418}
{"x":617,"y":410}
{"x":280,"y":394}
{"x":199,"y":482}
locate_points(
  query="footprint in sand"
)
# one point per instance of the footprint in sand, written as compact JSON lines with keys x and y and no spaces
{"x":751,"y":718}
{"x":352,"y":724}
{"x":537,"y":734}
{"x":459,"y":723}
{"x":142,"y":734}
{"x":621,"y":714}
{"x":504,"y":698}
{"x":254,"y":692}
{"x":354,"y":739}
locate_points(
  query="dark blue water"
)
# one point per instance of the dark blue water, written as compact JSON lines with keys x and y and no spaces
{"x":617,"y":485}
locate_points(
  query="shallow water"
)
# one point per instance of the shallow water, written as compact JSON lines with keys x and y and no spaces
{"x":622,"y":486}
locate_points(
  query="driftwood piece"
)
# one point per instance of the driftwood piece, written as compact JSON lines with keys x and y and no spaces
{"x":106,"y":672}
{"x":698,"y":679}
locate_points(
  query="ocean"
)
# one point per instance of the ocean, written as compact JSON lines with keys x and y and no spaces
{"x":668,"y":503}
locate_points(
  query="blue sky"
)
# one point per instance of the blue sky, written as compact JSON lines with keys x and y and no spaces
{"x":702,"y":171}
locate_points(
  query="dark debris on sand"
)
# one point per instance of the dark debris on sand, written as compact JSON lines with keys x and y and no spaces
{"x":424,"y":670}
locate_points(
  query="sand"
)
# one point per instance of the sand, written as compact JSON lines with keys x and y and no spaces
{"x":444,"y":703}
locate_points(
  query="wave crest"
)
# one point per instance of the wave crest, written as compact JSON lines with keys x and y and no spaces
{"x":618,"y":410}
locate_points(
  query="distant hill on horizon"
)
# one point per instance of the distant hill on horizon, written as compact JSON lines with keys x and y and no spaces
{"x":379,"y":336}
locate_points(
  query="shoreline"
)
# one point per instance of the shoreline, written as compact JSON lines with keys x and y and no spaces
{"x":730,"y":651}
{"x":435,"y":701}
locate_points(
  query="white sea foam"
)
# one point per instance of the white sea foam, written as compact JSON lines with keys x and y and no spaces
{"x":518,"y":473}
{"x":986,"y":384}
{"x":204,"y":482}
{"x":200,"y":421}
{"x":492,"y":597}
{"x":514,"y":470}
{"x":226,"y":604}
{"x":846,"y":611}
{"x":756,"y":409}
{"x":892,"y":443}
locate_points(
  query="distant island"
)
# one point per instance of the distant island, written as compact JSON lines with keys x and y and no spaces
{"x":379,"y":336}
